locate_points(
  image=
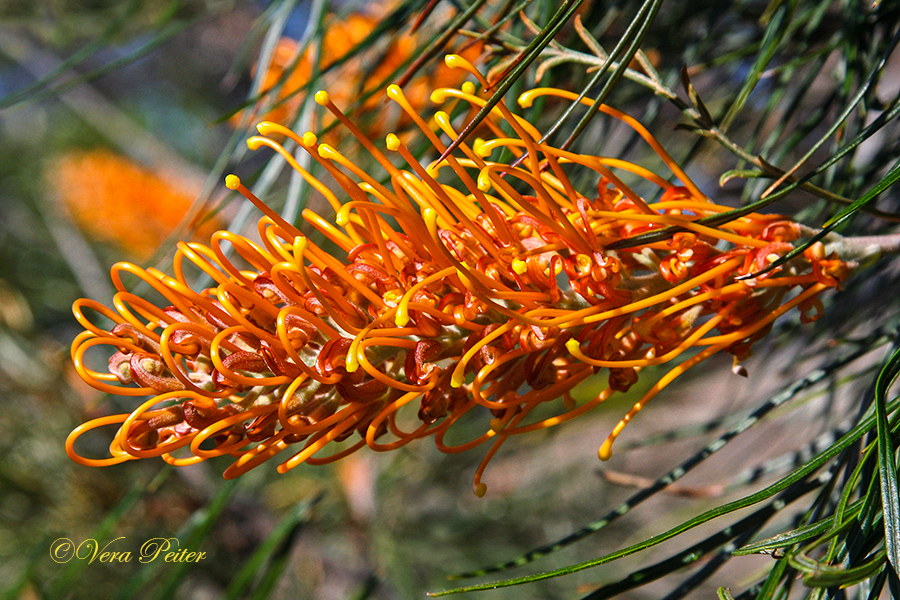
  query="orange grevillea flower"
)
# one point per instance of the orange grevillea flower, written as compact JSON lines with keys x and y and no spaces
{"x":119,"y":202}
{"x":489,"y":293}
{"x":360,"y":73}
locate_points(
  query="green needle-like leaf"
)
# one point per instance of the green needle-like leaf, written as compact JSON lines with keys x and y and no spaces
{"x":775,"y":31}
{"x":285,"y":530}
{"x":887,"y":465}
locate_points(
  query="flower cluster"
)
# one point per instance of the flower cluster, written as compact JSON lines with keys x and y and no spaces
{"x":493,"y":294}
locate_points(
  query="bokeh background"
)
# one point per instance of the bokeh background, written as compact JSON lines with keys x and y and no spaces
{"x":118,"y":121}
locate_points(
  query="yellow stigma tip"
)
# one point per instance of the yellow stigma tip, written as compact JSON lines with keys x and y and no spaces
{"x":393,"y":142}
{"x":605,"y":452}
{"x":454,"y":61}
{"x":322,"y":98}
{"x":266,"y":127}
{"x":300,"y":244}
{"x":484,"y":181}
{"x":232,"y":182}
{"x":456,"y":380}
{"x":527,"y":99}
{"x":394,"y":92}
{"x":468,"y":88}
{"x":520,"y":266}
{"x":309,"y":139}
{"x":326,"y":151}
{"x":480,"y":489}
{"x":441,"y":118}
{"x":573,"y":346}
{"x":402,"y":317}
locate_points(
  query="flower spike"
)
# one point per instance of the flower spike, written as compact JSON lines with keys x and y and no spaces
{"x":491,"y":295}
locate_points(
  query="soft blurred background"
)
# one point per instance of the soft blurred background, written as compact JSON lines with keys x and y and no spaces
{"x":118,"y":122}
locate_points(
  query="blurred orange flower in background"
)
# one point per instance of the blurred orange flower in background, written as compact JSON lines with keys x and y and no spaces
{"x":367,"y":70}
{"x":116,"y":201}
